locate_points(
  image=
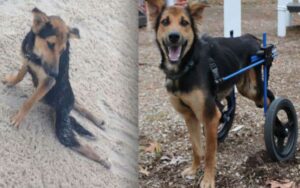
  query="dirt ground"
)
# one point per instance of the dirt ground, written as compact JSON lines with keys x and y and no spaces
{"x":103,"y":74}
{"x":242,"y":158}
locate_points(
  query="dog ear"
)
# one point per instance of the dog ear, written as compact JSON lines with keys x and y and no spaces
{"x":155,"y":7}
{"x":39,"y":19}
{"x":74,"y":33}
{"x":196,"y":10}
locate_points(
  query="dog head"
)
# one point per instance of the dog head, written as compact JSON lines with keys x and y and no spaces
{"x":51,"y":38}
{"x":175,"y":29}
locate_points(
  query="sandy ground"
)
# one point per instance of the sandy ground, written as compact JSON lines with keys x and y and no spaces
{"x":103,"y":76}
{"x":242,"y":158}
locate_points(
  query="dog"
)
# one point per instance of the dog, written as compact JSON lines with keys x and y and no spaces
{"x":190,"y":80}
{"x":45,"y":53}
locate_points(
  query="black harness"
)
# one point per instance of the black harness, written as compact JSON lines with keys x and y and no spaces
{"x":212,"y":66}
{"x":214,"y":70}
{"x":178,"y":75}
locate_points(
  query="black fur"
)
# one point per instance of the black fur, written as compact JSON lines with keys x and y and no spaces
{"x":27,"y":50}
{"x":229,"y":54}
{"x":47,"y":31}
{"x":60,"y":97}
{"x":80,"y":129}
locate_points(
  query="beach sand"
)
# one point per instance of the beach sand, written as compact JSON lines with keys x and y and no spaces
{"x":103,"y":74}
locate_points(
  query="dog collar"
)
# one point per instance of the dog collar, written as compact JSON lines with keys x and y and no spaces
{"x":180,"y":74}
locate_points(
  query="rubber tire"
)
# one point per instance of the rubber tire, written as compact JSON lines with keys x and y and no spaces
{"x":225,"y":130}
{"x":277,"y":105}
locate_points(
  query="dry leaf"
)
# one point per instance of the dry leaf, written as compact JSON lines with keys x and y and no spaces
{"x":281,"y":183}
{"x":154,"y":147}
{"x":165,"y":158}
{"x":144,"y":171}
{"x":177,"y":160}
{"x":236,"y":129}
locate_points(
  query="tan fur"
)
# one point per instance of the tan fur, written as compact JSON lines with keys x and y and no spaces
{"x":211,"y":131}
{"x":175,"y":14}
{"x":154,"y":7}
{"x":12,"y":80}
{"x":48,"y":56}
{"x":39,"y":20}
{"x":197,"y":9}
{"x":89,"y":153}
{"x":195,"y":131}
{"x":191,"y":107}
{"x":247,"y":86}
{"x":45,"y":83}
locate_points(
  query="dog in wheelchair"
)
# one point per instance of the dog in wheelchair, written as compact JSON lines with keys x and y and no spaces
{"x":186,"y":62}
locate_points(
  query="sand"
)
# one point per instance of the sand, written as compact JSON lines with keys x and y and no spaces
{"x":103,"y":74}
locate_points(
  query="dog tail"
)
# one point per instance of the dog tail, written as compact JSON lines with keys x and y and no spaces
{"x":65,"y":127}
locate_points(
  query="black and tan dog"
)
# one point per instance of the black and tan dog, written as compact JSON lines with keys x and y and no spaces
{"x":186,"y":61}
{"x":45,"y":51}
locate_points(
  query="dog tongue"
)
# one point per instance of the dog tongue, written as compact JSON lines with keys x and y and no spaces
{"x":174,"y":53}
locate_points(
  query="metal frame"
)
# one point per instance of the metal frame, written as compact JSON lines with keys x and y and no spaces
{"x":265,"y":58}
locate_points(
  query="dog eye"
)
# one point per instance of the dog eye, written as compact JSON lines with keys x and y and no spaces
{"x":50,"y":45}
{"x":184,"y":23}
{"x":165,"y":22}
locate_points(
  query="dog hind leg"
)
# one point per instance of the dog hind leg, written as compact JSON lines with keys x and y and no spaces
{"x":66,"y":136}
{"x":89,"y":115}
{"x":251,"y":87}
{"x":81,"y":130}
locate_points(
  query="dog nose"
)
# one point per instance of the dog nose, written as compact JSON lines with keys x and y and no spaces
{"x":174,"y":37}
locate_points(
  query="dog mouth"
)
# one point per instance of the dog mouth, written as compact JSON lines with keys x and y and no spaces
{"x":174,"y":53}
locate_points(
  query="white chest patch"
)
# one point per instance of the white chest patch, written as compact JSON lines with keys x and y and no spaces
{"x":169,"y":83}
{"x":171,"y":67}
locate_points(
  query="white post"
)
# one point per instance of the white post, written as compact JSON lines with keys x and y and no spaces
{"x":299,"y":2}
{"x":232,"y":17}
{"x":281,"y":18}
{"x":170,"y":2}
{"x":284,"y":18}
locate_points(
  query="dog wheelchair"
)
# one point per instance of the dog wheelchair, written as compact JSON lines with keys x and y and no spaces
{"x":280,"y":136}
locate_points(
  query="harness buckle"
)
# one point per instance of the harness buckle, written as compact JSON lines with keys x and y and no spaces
{"x":215,"y":72}
{"x":268,"y":54}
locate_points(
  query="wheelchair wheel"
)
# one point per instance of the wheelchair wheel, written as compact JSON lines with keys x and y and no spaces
{"x":281,"y":130}
{"x":227,"y":107}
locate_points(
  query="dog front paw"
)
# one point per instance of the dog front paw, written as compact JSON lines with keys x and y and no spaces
{"x":208,"y":182}
{"x":9,"y":80}
{"x":17,"y":119}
